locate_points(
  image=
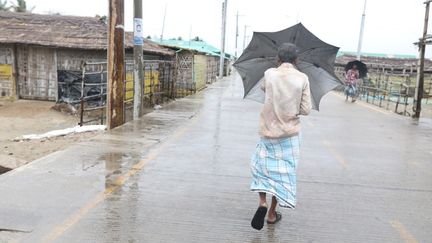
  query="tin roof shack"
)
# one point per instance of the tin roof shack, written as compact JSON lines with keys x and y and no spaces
{"x":204,"y":47}
{"x":35,"y":49}
{"x":197,"y":64}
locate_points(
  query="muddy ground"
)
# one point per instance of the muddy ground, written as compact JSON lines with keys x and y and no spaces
{"x":23,"y":117}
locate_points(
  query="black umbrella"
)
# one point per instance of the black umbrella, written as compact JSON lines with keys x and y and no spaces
{"x":361,"y":67}
{"x":316,"y":60}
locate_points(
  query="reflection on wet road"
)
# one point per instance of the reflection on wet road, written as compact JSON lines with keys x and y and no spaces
{"x":181,"y":174}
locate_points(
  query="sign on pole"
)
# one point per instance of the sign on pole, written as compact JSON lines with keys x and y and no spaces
{"x":138,"y":34}
{"x":138,"y":60}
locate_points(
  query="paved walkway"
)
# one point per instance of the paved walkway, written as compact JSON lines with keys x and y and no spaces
{"x":181,"y":174}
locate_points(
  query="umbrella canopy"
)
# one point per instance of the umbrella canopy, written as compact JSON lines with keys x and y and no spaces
{"x":316,"y":60}
{"x":361,"y":67}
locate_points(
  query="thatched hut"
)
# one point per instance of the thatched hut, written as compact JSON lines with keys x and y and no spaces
{"x":34,"y":47}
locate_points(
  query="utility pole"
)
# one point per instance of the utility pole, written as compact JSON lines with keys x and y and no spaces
{"x":138,"y":59}
{"x":420,"y":70}
{"x":190,"y":35}
{"x":222,"y":54}
{"x":361,"y":32}
{"x":116,"y":68}
{"x":237,"y":34}
{"x":244,"y":36}
{"x":163,"y":24}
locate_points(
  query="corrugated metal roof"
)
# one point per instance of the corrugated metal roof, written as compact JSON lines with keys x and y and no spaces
{"x":200,"y":46}
{"x":377,"y":59}
{"x":382,"y":55}
{"x":62,"y":31}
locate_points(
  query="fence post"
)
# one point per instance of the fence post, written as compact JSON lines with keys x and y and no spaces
{"x":420,"y":71}
{"x":389,"y":96}
{"x":83,"y":67}
{"x":101,"y":92}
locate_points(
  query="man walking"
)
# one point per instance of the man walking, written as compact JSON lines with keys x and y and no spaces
{"x":274,"y":163}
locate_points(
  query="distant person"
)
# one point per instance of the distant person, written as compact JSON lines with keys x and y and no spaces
{"x":274,"y":163}
{"x":351,"y":76}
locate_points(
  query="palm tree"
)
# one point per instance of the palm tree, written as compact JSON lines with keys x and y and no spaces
{"x":3,"y":5}
{"x":21,"y":7}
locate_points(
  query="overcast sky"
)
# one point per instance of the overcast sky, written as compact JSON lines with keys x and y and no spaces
{"x":391,"y":26}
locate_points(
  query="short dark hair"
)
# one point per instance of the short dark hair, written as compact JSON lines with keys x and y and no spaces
{"x":287,"y":52}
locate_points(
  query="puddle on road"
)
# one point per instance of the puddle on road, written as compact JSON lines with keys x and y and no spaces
{"x":426,"y":122}
{"x":116,"y":164}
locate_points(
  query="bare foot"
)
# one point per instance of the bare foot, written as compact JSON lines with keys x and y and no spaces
{"x":277,"y":218}
{"x":271,"y":216}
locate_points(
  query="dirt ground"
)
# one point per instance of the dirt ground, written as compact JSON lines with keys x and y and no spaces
{"x":24,"y":117}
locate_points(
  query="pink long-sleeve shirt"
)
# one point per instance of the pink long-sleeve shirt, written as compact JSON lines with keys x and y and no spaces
{"x":287,"y":95}
{"x":351,"y":76}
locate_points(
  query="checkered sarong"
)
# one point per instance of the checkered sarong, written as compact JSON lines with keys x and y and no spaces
{"x":274,"y":166}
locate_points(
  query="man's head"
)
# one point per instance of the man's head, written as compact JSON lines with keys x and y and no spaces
{"x":287,"y":52}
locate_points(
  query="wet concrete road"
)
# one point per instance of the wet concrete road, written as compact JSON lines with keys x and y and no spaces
{"x":181,"y":174}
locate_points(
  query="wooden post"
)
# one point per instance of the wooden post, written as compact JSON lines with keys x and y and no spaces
{"x":174,"y":73}
{"x":420,"y":71}
{"x":15,"y":73}
{"x":83,"y":71}
{"x":116,"y":65}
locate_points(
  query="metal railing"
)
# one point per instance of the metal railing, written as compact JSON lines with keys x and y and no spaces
{"x":391,"y":88}
{"x":158,"y":87}
{"x":93,"y":104}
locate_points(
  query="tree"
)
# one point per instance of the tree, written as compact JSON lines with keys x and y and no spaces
{"x":53,"y":13}
{"x":103,"y":18}
{"x":148,"y":37}
{"x":197,"y":38}
{"x":179,"y":38}
{"x":3,"y":5}
{"x":21,"y":7}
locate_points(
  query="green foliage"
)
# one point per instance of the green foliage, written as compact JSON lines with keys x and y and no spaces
{"x":197,"y":38}
{"x":54,"y":13}
{"x":21,"y":7}
{"x":103,"y":18}
{"x":3,"y":6}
